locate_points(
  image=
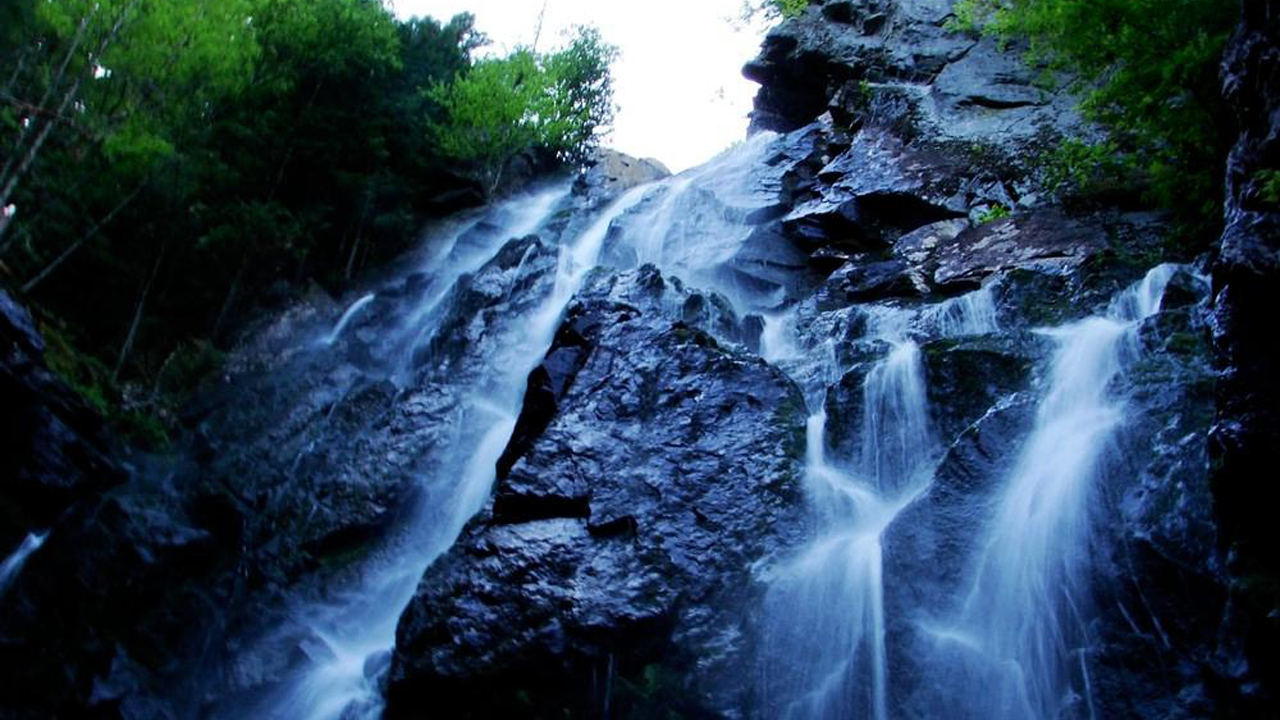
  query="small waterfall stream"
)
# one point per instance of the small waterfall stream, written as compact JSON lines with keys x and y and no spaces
{"x":12,"y":565}
{"x":825,"y":615}
{"x":350,"y":636}
{"x":1021,"y":625}
{"x":343,"y":321}
{"x":1023,"y":622}
{"x":1019,"y":622}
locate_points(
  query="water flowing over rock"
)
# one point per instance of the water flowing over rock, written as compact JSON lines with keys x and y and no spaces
{"x":622,"y":540}
{"x":849,"y":422}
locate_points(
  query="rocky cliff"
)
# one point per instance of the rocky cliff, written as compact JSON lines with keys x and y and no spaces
{"x":1246,"y":431}
{"x":623,"y":492}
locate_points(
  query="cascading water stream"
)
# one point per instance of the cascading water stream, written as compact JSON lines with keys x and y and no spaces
{"x":460,"y":256}
{"x":352,"y":637}
{"x":343,"y":321}
{"x":826,"y":610}
{"x":826,"y":624}
{"x":1021,"y":627}
{"x":12,"y":565}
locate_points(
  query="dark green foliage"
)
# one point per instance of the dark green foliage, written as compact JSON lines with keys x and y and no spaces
{"x":190,"y":160}
{"x":1148,"y":71}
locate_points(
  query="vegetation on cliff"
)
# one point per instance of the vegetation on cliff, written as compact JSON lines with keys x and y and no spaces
{"x":550,"y":101}
{"x":166,"y":163}
{"x":1149,"y":73}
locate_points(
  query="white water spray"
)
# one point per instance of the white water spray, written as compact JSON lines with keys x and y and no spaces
{"x":343,"y":321}
{"x":12,"y":565}
{"x":827,"y":658}
{"x":352,"y":637}
{"x":1023,"y":622}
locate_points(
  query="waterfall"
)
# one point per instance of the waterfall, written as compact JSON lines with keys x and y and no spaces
{"x":973,"y":313}
{"x":341,"y":325}
{"x":825,"y":612}
{"x":12,"y":565}
{"x":1018,"y":625}
{"x":692,"y":225}
{"x":825,"y":624}
{"x":1022,"y":625}
{"x":349,"y":637}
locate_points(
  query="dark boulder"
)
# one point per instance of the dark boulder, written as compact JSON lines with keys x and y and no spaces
{"x":1245,"y":438}
{"x":1162,"y":590}
{"x":1040,"y":240}
{"x":619,"y":561}
{"x":54,"y":450}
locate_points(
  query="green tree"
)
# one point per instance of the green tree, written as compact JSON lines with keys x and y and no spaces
{"x":558,"y":103}
{"x":125,"y":76}
{"x":1148,"y":71}
{"x":176,"y":163}
{"x":773,"y":10}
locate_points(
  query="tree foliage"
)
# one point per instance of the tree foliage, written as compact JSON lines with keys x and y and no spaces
{"x":555,"y":102}
{"x":169,"y":164}
{"x":1148,"y":71}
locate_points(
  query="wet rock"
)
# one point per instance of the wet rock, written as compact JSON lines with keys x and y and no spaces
{"x":1246,"y":281}
{"x":917,"y":247}
{"x":54,"y":450}
{"x":859,"y":280}
{"x":613,"y":173}
{"x":967,"y":377}
{"x":628,"y":538}
{"x":1041,"y":240}
{"x":1162,"y":586}
{"x":934,"y":540}
{"x":903,"y":42}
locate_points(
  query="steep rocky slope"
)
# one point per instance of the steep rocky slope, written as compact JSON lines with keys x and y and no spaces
{"x":642,"y":551}
{"x":1246,"y":433}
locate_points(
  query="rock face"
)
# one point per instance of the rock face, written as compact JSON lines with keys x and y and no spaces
{"x":618,"y":559}
{"x":54,"y":448}
{"x":300,"y":457}
{"x":654,"y":486}
{"x":921,"y":144}
{"x":1246,"y":431}
{"x":920,"y":141}
{"x":899,"y":60}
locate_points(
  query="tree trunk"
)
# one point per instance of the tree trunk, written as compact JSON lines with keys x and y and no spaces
{"x":49,"y":91}
{"x":230,"y":300}
{"x":48,"y":270}
{"x":11,"y":175}
{"x":355,"y":245}
{"x":137,"y":317}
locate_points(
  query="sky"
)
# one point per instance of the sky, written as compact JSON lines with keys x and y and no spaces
{"x":678,"y":83}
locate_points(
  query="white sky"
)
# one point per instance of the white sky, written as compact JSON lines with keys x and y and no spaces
{"x":678,"y":83}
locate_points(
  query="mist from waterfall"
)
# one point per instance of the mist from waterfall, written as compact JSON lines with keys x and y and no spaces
{"x":1022,"y":627}
{"x":348,"y":637}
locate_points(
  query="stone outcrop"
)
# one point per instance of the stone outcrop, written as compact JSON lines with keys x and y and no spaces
{"x":55,"y":449}
{"x":1245,"y":440}
{"x":624,"y":546}
{"x":922,"y":142}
